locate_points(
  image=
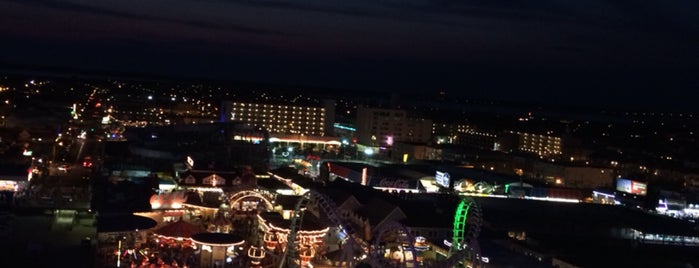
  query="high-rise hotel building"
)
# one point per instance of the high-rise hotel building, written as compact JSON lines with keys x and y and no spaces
{"x":540,"y":144}
{"x":382,"y":127}
{"x":278,"y":118}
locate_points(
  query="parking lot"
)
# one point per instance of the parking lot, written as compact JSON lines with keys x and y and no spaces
{"x":36,"y":239}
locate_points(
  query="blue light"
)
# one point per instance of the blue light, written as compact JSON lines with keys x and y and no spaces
{"x":340,"y":126}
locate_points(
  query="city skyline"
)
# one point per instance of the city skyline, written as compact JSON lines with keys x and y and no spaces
{"x":598,"y":52}
{"x":122,"y":159}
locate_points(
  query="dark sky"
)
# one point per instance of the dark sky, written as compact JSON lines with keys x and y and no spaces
{"x":639,"y":51}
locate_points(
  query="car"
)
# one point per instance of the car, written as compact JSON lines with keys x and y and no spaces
{"x":87,"y":162}
{"x":63,"y":167}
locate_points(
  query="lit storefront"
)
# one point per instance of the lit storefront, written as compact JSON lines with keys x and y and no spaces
{"x":15,"y":178}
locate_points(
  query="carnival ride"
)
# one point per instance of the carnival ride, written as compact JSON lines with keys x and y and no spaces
{"x":292,"y":257}
{"x":485,"y":187}
{"x":403,"y":240}
{"x":464,"y":244}
{"x":464,"y":250}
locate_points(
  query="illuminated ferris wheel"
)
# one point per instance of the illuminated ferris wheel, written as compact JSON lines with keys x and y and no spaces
{"x":292,"y":257}
{"x":464,"y":250}
{"x":464,"y":244}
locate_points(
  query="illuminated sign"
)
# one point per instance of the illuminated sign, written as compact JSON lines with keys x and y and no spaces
{"x":631,"y":187}
{"x":391,"y":183}
{"x":442,"y":179}
{"x":190,"y":162}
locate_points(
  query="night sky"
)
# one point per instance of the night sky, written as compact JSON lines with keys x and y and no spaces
{"x":613,"y":52}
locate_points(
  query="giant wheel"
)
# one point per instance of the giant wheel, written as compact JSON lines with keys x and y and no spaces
{"x":403,"y":236}
{"x":327,"y":206}
{"x":467,"y":227}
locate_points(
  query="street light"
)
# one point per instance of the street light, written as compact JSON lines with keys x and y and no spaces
{"x":368,"y":152}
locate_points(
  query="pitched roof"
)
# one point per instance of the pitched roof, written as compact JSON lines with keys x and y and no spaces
{"x":209,"y":178}
{"x":337,"y":195}
{"x":376,"y":210}
{"x":179,"y":229}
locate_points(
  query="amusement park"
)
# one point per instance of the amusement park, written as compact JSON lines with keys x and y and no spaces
{"x":219,"y":219}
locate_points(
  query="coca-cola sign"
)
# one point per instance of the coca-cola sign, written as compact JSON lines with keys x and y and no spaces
{"x":394,"y":183}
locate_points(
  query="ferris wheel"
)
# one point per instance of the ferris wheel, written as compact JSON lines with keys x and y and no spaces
{"x":467,"y":226}
{"x":464,"y":249}
{"x":327,"y":206}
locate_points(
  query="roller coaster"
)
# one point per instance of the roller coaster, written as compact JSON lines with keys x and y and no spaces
{"x":326,"y":205}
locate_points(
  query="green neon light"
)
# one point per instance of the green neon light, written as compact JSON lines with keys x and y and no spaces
{"x":459,"y":226}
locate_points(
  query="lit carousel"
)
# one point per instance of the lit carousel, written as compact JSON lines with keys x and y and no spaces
{"x":178,"y":233}
{"x":310,"y":238}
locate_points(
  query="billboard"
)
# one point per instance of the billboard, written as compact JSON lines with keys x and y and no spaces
{"x":631,"y":186}
{"x":442,"y":179}
{"x":393,"y":183}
